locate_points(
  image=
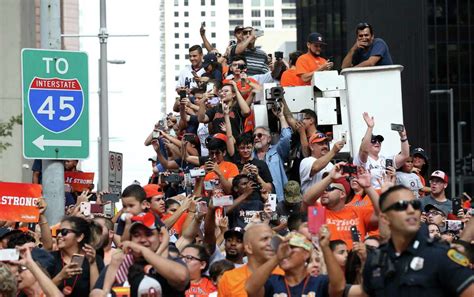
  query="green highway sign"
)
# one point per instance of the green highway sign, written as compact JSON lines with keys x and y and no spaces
{"x":55,"y":89}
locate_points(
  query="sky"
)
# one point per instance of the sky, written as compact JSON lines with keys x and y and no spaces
{"x":133,"y":86}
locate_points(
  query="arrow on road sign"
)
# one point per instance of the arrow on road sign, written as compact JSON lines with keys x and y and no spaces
{"x":40,"y":142}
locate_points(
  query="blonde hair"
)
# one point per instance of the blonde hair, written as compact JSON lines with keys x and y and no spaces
{"x":7,"y":282}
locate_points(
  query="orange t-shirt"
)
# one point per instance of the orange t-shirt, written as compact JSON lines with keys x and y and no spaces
{"x":245,"y":90}
{"x":232,"y":283}
{"x":308,"y":63}
{"x":290,"y":79}
{"x":201,"y":289}
{"x":229,"y":170}
{"x":177,"y":228}
{"x":340,"y":222}
{"x":366,"y":204}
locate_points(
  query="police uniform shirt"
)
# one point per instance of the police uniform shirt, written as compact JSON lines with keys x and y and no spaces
{"x":425,"y":268}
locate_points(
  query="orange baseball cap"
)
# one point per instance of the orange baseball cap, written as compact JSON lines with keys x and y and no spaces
{"x":152,"y":190}
{"x":317,"y":137}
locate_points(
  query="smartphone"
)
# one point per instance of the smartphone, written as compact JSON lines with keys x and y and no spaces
{"x":275,"y":242}
{"x":78,"y":259}
{"x":200,"y":172}
{"x":109,"y":210}
{"x":388,"y":163}
{"x":85,"y":208}
{"x":155,"y":134}
{"x":209,"y":87}
{"x":9,"y":255}
{"x":194,"y":73}
{"x":457,"y":205}
{"x":278,"y":55}
{"x":208,"y":186}
{"x":272,"y":199}
{"x":355,"y":234}
{"x":454,"y":225}
{"x":97,"y":208}
{"x":344,"y":136}
{"x":300,"y":117}
{"x":232,"y":43}
{"x":214,"y":101}
{"x":397,"y":127}
{"x":182,"y":94}
{"x":351,"y":169}
{"x":226,"y":200}
{"x":201,"y":207}
{"x":242,"y":82}
{"x":316,"y":218}
{"x":110,"y":197}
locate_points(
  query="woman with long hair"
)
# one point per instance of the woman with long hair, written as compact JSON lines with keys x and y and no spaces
{"x":76,"y":266}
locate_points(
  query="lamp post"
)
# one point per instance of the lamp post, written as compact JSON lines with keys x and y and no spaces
{"x":460,"y":155}
{"x":451,"y":134}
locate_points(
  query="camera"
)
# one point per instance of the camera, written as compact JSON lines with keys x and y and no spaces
{"x":173,"y":178}
{"x":242,"y":67}
{"x":351,"y":169}
{"x":275,"y":95}
{"x":252,"y":177}
{"x":182,"y":94}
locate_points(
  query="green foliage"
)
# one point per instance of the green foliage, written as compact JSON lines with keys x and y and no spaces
{"x":6,"y":130}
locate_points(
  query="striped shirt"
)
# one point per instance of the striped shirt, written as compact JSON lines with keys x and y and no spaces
{"x":256,"y":60}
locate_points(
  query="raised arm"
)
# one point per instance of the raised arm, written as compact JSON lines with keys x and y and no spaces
{"x":365,"y":144}
{"x":244,"y":107}
{"x":206,"y":42}
{"x":202,"y":116}
{"x":322,"y":162}
{"x":230,"y":143}
{"x":337,"y":281}
{"x":315,"y":191}
{"x":404,"y":154}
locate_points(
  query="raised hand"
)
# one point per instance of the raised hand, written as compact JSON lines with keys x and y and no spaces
{"x":368,"y":120}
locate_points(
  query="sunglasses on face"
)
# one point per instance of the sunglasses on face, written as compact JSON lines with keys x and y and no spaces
{"x":402,"y":205}
{"x":259,"y":135}
{"x":64,"y":231}
{"x":374,"y":141}
{"x":189,"y":258}
{"x":246,"y":32}
{"x":330,"y":189}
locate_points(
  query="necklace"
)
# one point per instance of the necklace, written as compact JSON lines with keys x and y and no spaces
{"x":306,"y":279}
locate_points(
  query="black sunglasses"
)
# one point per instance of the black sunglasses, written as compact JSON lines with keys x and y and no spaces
{"x":375,"y":140}
{"x":402,"y":205}
{"x":259,"y":135}
{"x":65,"y":231}
{"x":330,"y":189}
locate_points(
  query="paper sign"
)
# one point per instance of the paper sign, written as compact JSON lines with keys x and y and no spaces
{"x":79,"y":181}
{"x":18,"y":202}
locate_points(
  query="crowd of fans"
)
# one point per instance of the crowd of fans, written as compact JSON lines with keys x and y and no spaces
{"x":232,"y":209}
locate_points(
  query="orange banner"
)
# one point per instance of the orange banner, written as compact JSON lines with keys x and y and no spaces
{"x":18,"y":202}
{"x":79,"y":181}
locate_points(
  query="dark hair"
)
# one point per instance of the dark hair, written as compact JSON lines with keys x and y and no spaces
{"x":80,"y":226}
{"x":170,"y":202}
{"x":294,"y":57}
{"x":202,"y":253}
{"x":196,"y":47}
{"x":391,"y":190}
{"x":135,"y":191}
{"x":296,"y":219}
{"x":19,"y":239}
{"x":278,"y":68}
{"x":239,"y":58}
{"x":107,"y":222}
{"x":335,"y":243}
{"x":353,"y":268}
{"x":311,"y":114}
{"x":362,"y":26}
{"x":216,"y":144}
{"x":245,"y":138}
{"x":197,"y":90}
{"x":237,"y":178}
{"x":218,"y":268}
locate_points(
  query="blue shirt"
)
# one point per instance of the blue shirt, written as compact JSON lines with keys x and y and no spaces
{"x":315,"y":286}
{"x":378,"y":48}
{"x":275,"y":157}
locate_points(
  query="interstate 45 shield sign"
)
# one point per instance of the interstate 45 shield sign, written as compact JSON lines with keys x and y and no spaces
{"x":55,"y":104}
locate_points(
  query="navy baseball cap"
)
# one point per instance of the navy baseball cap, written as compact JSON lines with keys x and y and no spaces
{"x":316,"y":37}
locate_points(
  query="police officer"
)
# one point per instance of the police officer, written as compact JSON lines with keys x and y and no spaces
{"x":410,"y":264}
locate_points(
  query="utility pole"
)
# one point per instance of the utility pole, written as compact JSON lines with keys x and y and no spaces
{"x":52,"y":170}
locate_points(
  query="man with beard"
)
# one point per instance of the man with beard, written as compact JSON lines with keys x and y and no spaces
{"x":313,"y":167}
{"x":367,"y":50}
{"x":274,"y":155}
{"x":309,"y":63}
{"x":410,"y":264}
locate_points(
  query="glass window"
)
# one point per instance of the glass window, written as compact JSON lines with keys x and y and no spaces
{"x":186,"y":35}
{"x":268,"y":13}
{"x":203,"y":13}
{"x":176,"y":45}
{"x":176,"y":13}
{"x":186,"y":45}
{"x":255,"y":12}
{"x":289,"y":23}
{"x":255,"y":2}
{"x":175,"y":78}
{"x":176,"y":35}
{"x":213,"y":34}
{"x":176,"y":25}
{"x":176,"y":2}
{"x":268,"y":2}
{"x":213,"y":2}
{"x":213,"y":24}
{"x":186,"y":56}
{"x":186,"y":24}
{"x":186,"y":3}
{"x":203,"y":2}
{"x":213,"y":13}
{"x":186,"y":13}
{"x":269,"y":24}
{"x":256,"y":24}
{"x":176,"y":57}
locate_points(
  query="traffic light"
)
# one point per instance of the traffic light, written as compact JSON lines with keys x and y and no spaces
{"x":468,"y":169}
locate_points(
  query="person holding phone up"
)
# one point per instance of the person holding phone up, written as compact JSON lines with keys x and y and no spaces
{"x":369,"y":153}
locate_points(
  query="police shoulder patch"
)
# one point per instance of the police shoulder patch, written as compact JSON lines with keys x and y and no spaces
{"x":458,"y":258}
